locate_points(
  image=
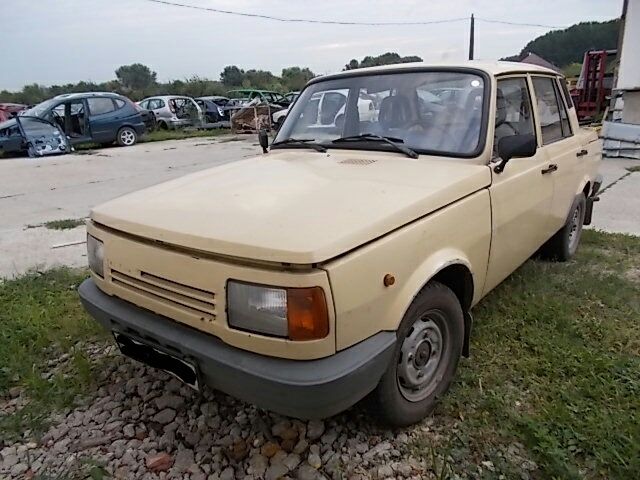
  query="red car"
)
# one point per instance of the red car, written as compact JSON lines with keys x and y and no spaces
{"x":10,"y":110}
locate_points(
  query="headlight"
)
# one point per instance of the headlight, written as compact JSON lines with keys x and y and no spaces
{"x":294,"y":313}
{"x":95,"y":254}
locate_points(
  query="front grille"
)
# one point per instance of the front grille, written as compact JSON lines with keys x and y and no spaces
{"x":177,"y":295}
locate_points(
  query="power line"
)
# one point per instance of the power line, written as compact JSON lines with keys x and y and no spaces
{"x":341,"y":22}
{"x":504,"y":22}
{"x":304,"y":20}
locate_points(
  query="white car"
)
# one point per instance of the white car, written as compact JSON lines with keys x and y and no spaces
{"x":327,"y":108}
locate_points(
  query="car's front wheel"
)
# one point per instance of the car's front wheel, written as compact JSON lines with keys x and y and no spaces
{"x":429,"y":345}
{"x":127,"y":136}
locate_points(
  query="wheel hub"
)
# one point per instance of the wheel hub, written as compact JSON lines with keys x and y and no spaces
{"x":420,"y":356}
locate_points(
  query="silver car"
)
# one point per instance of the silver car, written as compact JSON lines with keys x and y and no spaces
{"x":173,"y":111}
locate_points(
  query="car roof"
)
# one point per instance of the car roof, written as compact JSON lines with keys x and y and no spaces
{"x":253,"y":90}
{"x":88,"y":94}
{"x":494,"y":68}
{"x":166,"y":97}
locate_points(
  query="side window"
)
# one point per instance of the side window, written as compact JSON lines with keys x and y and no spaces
{"x":564,"y":87}
{"x":564,"y":117}
{"x":100,"y":105}
{"x":513,"y":110}
{"x":549,"y":110}
{"x":144,"y":104}
{"x":119,"y":103}
{"x":159,"y":104}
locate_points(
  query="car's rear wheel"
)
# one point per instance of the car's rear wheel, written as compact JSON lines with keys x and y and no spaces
{"x":429,"y":345}
{"x":564,"y":244}
{"x":127,"y":136}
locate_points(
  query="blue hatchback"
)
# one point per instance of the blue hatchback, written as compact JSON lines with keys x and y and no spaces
{"x":83,"y":117}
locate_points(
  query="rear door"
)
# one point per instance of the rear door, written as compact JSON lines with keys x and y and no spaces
{"x":559,"y":146}
{"x":102,"y":119}
{"x":521,"y":195}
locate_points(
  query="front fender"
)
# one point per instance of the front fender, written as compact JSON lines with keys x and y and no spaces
{"x":457,"y":234}
{"x":420,"y":277}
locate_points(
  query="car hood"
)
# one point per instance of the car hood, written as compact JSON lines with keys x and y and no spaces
{"x":293,"y":206}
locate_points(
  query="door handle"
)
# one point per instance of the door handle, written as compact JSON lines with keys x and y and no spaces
{"x":582,"y":153}
{"x":551,"y":168}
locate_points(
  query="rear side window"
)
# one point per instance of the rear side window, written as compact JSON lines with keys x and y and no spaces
{"x":100,"y":105}
{"x":564,"y":88}
{"x":155,"y":104}
{"x":549,"y":110}
{"x":119,"y":103}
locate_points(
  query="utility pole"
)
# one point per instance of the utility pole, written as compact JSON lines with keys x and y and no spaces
{"x":471,"y":38}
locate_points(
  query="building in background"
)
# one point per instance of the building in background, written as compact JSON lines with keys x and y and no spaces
{"x":621,"y":131}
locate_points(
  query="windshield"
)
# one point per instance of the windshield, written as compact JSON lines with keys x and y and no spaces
{"x":40,"y":109}
{"x":415,"y":108}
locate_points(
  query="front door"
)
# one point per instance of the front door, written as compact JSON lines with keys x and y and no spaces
{"x":71,"y":117}
{"x":521,"y":196}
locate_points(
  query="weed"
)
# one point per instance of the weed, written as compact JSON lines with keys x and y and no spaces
{"x":66,"y":224}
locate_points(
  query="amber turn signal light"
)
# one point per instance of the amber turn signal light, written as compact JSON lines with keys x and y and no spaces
{"x":307,"y":315}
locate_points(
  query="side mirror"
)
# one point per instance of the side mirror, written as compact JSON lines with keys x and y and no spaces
{"x":515,"y":146}
{"x":263,"y":138}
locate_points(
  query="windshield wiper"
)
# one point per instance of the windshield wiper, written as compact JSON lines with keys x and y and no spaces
{"x":304,"y":142}
{"x":369,"y":137}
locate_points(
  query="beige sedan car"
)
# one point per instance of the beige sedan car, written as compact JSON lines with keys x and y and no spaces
{"x":346,"y":260}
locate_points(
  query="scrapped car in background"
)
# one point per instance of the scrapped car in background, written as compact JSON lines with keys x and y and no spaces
{"x":36,"y":136}
{"x":10,"y":110}
{"x":264,"y":96}
{"x":327,"y":108}
{"x":345,"y":261}
{"x":94,"y":117}
{"x":173,"y":111}
{"x":214,"y":110}
{"x":291,"y":97}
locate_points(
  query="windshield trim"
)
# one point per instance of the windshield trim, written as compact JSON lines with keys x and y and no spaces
{"x":486,"y":100}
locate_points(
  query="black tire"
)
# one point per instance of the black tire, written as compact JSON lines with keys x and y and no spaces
{"x":564,"y":244}
{"x":162,"y":125}
{"x":394,"y":401}
{"x":127,"y":137}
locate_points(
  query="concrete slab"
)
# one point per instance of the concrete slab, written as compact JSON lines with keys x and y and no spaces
{"x":613,"y":169}
{"x":35,"y":191}
{"x":618,"y":210}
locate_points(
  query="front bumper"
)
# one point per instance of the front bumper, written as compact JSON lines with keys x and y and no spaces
{"x":305,"y":389}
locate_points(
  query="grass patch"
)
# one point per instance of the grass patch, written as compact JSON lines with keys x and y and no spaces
{"x":66,"y":224}
{"x":555,"y":369}
{"x":635,"y":168}
{"x":162,"y":135}
{"x":42,"y":319}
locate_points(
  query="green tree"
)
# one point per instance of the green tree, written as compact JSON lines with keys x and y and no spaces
{"x":295,"y":78}
{"x":261,"y":79}
{"x":232,"y":76}
{"x":389,"y":58}
{"x":136,"y":76}
{"x":352,"y":65}
{"x":563,"y":47}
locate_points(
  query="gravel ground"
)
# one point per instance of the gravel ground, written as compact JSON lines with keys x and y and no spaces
{"x":143,"y":423}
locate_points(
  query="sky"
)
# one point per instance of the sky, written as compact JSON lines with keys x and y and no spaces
{"x":63,"y":41}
